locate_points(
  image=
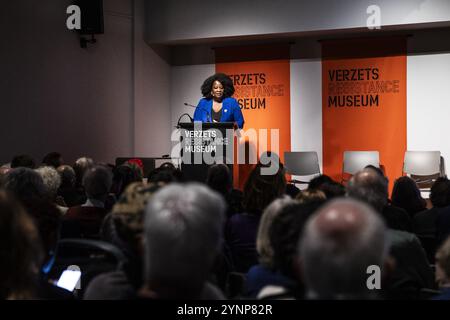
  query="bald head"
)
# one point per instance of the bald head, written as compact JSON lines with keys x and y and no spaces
{"x":340,"y":242}
{"x":369,"y":186}
{"x":342,"y":220}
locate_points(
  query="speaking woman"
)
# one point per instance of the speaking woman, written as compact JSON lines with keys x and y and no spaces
{"x":217,"y":104}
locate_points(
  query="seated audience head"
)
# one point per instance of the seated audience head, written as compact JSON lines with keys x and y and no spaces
{"x":338,"y":245}
{"x":313,"y":195}
{"x":406,"y":195}
{"x":317,"y":182}
{"x":376,"y":169}
{"x":443,"y":265}
{"x":440,"y":193}
{"x":124,"y":226}
{"x":51,"y":179}
{"x":26,"y":184}
{"x":332,"y":189}
{"x":285,"y":232}
{"x":183,"y":231}
{"x":20,"y":251}
{"x":80,"y":167}
{"x":261,"y":189}
{"x":165,"y":173}
{"x":68,"y":176}
{"x":23,"y":160}
{"x":97,"y":182}
{"x":329,"y":187}
{"x":219,"y":178}
{"x":263,"y":245}
{"x":123,"y":176}
{"x":370,"y":187}
{"x":3,"y":173}
{"x":53,"y":159}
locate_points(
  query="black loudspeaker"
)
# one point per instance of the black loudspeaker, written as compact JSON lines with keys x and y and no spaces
{"x":91,"y":16}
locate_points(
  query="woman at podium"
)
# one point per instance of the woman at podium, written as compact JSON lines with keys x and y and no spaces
{"x":217,"y":105}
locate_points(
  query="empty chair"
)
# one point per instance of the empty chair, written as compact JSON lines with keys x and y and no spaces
{"x":302,"y":163}
{"x":424,"y":167}
{"x":355,"y":161}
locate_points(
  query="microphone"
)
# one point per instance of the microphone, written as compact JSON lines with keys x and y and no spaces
{"x":190,"y":105}
{"x":179,"y":119}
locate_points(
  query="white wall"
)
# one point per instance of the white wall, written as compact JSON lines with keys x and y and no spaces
{"x":306,"y":106}
{"x":428,"y":94}
{"x":185,"y":87}
{"x":151,"y":113}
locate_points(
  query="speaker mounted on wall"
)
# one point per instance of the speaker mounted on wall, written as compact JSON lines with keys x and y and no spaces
{"x":91,"y":20}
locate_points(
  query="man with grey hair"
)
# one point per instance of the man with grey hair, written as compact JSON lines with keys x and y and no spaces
{"x":412,"y":271}
{"x":52,"y":181}
{"x":183,"y":233}
{"x":80,"y":166}
{"x":340,"y":242}
{"x":371,"y":186}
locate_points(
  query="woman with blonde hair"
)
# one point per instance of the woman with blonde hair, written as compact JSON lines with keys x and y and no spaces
{"x":262,"y":274}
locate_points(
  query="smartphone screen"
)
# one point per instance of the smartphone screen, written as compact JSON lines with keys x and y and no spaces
{"x":69,"y":279}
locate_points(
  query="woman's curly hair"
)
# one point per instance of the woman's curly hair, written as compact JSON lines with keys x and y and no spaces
{"x":227,"y":83}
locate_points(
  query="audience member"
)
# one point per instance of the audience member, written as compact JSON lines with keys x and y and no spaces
{"x":332,"y":190}
{"x":406,"y":195}
{"x":316,"y":182}
{"x":165,"y":173}
{"x":412,"y":272}
{"x":263,"y":273}
{"x":123,"y":227}
{"x":284,"y":234}
{"x":67,"y":190}
{"x":219,"y":178}
{"x":23,"y":160}
{"x":259,"y":191}
{"x":26,"y":184}
{"x":28,"y":187}
{"x":443,"y":271}
{"x":20,"y":251}
{"x":53,"y":159}
{"x":371,"y":187}
{"x":84,"y":221}
{"x":311,"y":195}
{"x":80,"y":167}
{"x":182,"y":235}
{"x":339,"y":243}
{"x":123,"y":176}
{"x":4,"y":169}
{"x":425,"y":224}
{"x":52,"y":182}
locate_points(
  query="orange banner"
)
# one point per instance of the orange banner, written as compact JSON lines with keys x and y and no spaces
{"x":263,"y":92}
{"x":364,"y":102}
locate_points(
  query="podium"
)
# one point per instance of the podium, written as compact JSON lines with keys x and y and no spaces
{"x":205,"y":144}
